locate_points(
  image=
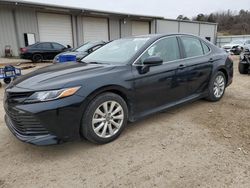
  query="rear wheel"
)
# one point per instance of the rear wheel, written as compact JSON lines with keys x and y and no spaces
{"x":37,"y":58}
{"x":217,"y":87}
{"x":243,"y":68}
{"x":105,"y":118}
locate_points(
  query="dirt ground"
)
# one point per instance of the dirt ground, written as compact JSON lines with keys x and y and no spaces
{"x":201,"y":144}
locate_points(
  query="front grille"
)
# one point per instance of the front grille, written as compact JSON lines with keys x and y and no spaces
{"x":17,"y":97}
{"x":25,"y":123}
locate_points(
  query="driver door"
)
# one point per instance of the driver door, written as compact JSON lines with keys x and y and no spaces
{"x":163,"y":84}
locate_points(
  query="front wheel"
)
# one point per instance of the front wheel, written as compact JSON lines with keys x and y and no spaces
{"x":217,"y":87}
{"x":105,"y":118}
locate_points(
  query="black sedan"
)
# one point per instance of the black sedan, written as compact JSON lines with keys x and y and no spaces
{"x":81,"y":51}
{"x":125,"y":80}
{"x":42,"y":51}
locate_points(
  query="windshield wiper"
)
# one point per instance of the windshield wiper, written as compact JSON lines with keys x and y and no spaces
{"x":94,"y":62}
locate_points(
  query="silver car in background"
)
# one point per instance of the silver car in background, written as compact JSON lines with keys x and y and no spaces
{"x":237,"y":46}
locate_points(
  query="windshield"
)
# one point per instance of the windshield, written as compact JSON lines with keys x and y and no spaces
{"x":118,"y":51}
{"x":237,"y":42}
{"x":84,"y":47}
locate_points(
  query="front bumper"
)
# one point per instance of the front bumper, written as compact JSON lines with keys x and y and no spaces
{"x":45,"y":123}
{"x":41,"y":140}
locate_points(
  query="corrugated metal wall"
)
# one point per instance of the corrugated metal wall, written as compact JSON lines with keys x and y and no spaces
{"x":190,"y":28}
{"x":114,"y":28}
{"x":165,"y":26}
{"x":26,"y":22}
{"x":177,"y":26}
{"x":7,"y":31}
{"x":126,"y":28}
{"x":208,"y":31}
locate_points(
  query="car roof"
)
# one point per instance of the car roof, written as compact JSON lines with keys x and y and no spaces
{"x":156,"y":36}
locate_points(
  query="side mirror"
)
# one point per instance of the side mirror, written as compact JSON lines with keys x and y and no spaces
{"x":153,"y":61}
{"x":90,"y":50}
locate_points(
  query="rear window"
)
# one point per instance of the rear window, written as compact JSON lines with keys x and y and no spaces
{"x":206,"y":49}
{"x":44,"y":46}
{"x":57,"y":46}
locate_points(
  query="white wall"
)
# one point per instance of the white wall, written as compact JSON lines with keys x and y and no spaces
{"x":190,"y":28}
{"x":208,"y":31}
{"x":165,"y":26}
{"x":177,"y":26}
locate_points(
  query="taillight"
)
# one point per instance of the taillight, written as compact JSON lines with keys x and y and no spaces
{"x":23,"y":50}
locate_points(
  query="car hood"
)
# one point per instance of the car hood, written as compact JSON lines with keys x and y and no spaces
{"x":58,"y":76}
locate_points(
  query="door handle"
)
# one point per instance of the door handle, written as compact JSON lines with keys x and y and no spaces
{"x":211,"y":60}
{"x":181,"y":66}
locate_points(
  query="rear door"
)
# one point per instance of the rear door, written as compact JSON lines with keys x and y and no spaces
{"x":198,"y":62}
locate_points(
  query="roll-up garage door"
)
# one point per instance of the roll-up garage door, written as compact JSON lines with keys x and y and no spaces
{"x":55,"y":28}
{"x":95,"y":29}
{"x":140,"y":28}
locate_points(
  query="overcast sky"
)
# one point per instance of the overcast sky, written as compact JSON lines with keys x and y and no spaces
{"x":164,"y":8}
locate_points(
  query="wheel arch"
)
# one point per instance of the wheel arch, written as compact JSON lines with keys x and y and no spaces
{"x":119,"y":90}
{"x":224,"y":71}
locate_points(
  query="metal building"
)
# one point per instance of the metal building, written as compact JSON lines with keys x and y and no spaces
{"x":22,"y":23}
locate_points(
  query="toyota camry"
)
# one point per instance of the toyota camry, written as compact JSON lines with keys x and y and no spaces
{"x":122,"y":82}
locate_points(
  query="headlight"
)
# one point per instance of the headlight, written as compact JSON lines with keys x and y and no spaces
{"x":42,"y":96}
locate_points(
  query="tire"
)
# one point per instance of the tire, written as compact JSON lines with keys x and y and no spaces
{"x":99,"y":131}
{"x":7,"y":80}
{"x":218,"y":81}
{"x":243,"y":68}
{"x":37,"y":58}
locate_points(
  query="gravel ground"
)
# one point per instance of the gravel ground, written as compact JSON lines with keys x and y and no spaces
{"x":12,"y":61}
{"x":201,"y":144}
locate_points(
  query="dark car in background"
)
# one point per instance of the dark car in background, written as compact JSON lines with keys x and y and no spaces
{"x":81,"y":51}
{"x":42,"y":51}
{"x":125,"y":80}
{"x":244,"y":64}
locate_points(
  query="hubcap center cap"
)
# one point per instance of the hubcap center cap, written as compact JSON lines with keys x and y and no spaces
{"x":108,"y":117}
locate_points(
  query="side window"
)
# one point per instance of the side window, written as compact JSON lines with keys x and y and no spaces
{"x":167,"y":49}
{"x":44,"y":46}
{"x":205,"y":48}
{"x":192,"y":46}
{"x":57,"y":46}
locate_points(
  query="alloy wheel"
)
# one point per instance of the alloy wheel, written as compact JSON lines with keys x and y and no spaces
{"x":219,"y":86}
{"x":108,"y":119}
